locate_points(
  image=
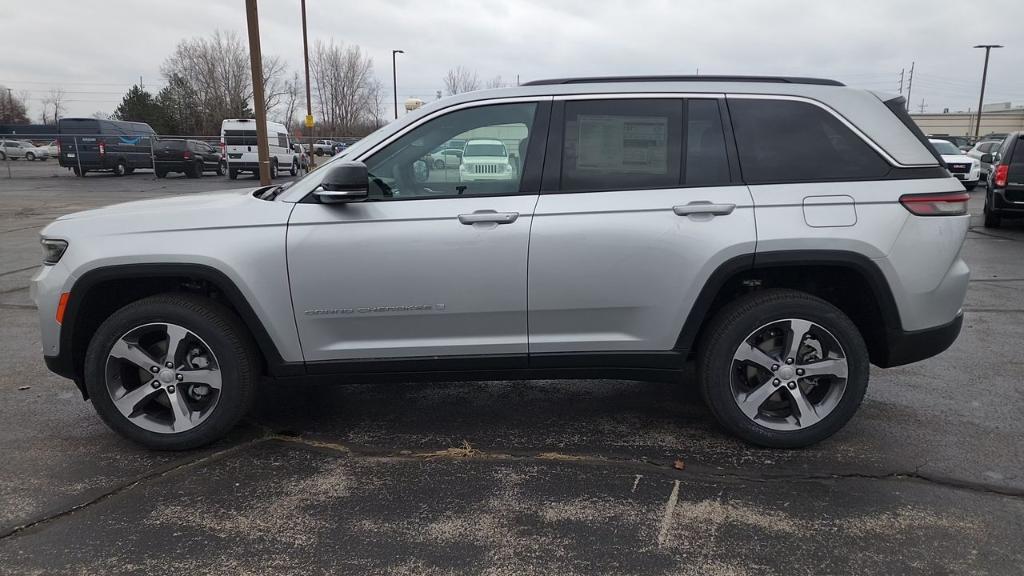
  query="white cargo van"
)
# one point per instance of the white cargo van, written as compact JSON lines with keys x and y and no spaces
{"x":238,"y":142}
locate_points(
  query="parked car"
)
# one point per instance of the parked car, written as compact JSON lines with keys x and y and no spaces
{"x":1005,"y":194}
{"x":190,"y":157}
{"x":446,"y":158}
{"x":979,"y":151}
{"x":485,"y":160}
{"x":783,"y":243}
{"x":15,"y":149}
{"x":338,"y":147}
{"x":52,"y":149}
{"x":90,"y":145}
{"x":960,"y":142}
{"x":238,"y":140}
{"x":321,"y":147}
{"x":962,"y":167}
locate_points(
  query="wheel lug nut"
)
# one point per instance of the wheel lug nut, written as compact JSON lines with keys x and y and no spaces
{"x":789,"y":360}
{"x":180,"y":377}
{"x":775,"y":367}
{"x":154,"y":369}
{"x":169,"y":365}
{"x":170,"y":389}
{"x":799,"y":371}
{"x":792,"y":385}
{"x":776,"y":382}
{"x":155,"y":384}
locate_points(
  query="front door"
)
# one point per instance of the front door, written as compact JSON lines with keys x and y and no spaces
{"x":434,"y":263}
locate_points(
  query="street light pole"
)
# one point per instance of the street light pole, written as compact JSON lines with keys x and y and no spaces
{"x":309,"y":102}
{"x":984,"y":77}
{"x":394,"y":78}
{"x":256,"y":63}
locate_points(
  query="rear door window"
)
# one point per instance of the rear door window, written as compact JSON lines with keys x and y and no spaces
{"x":621,"y":144}
{"x":790,"y":141}
{"x":240,"y":137}
{"x":707,"y":163}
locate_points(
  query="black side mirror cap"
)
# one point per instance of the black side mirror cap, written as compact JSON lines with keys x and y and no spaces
{"x":986,"y":158}
{"x":344,"y":182}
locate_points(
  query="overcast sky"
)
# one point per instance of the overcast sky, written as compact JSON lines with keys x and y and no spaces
{"x":95,"y":50}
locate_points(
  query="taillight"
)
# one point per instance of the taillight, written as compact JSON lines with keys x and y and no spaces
{"x":1002,"y":174}
{"x":948,"y":204}
{"x":187,"y":155}
{"x":103,"y":148}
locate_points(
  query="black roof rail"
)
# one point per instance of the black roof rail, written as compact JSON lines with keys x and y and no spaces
{"x":708,"y":78}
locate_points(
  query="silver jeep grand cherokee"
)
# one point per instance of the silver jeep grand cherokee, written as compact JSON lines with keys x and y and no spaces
{"x":783,"y":233}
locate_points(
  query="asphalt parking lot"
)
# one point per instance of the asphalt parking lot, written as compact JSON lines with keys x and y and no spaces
{"x":602,"y":476}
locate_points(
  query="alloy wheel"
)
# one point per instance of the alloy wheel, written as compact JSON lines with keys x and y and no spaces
{"x":163,"y":378}
{"x":789,"y":374}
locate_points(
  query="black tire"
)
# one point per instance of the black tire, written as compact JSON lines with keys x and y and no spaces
{"x":197,"y":168}
{"x":319,"y":152}
{"x":129,"y":171}
{"x":220,"y":168}
{"x":80,"y":173}
{"x":3,"y":156}
{"x":439,"y":164}
{"x":227,"y":338}
{"x":992,"y":218}
{"x":232,"y":174}
{"x":160,"y":173}
{"x":30,"y":156}
{"x":273,"y":169}
{"x":295,"y":168}
{"x":970,"y":187}
{"x":734,"y":323}
{"x":121,"y":168}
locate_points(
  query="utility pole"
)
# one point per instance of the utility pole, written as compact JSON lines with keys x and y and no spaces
{"x":922,"y":106}
{"x":394,"y":78}
{"x":309,"y":101}
{"x":984,"y":77}
{"x":910,"y":84}
{"x":902,"y":70}
{"x":256,"y":63}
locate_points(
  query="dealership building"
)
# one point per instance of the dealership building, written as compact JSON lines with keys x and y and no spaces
{"x":997,"y":118}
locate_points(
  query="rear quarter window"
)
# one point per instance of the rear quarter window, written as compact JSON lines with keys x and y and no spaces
{"x":790,"y":141}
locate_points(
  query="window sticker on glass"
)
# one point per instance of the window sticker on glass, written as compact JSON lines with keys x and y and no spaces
{"x":636,"y":144}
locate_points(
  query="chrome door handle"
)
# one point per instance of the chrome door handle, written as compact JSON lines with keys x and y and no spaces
{"x":488,"y":217}
{"x":703,"y":207}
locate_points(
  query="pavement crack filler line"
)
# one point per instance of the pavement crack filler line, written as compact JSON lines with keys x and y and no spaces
{"x":696,"y":472}
{"x":159,"y":472}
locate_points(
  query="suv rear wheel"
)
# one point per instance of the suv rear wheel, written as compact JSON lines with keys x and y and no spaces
{"x":992,"y":219}
{"x":783,"y":369}
{"x":172,"y":371}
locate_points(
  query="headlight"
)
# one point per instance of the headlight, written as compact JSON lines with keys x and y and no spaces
{"x":53,"y":250}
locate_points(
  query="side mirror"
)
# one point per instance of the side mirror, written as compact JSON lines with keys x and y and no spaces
{"x":345,"y":182}
{"x":986,"y":158}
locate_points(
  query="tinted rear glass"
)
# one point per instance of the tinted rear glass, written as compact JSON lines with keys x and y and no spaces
{"x":75,"y":126}
{"x":788,"y":141}
{"x":240,"y":137}
{"x":172,"y":144}
{"x":485,"y":150}
{"x":706,"y":160}
{"x":1018,"y":152}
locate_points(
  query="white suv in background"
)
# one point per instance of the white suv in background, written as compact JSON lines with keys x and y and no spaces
{"x":782,"y":233}
{"x":485,"y":160}
{"x":962,"y":167}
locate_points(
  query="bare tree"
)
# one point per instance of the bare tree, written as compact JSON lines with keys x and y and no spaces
{"x":460,"y":79}
{"x":100,"y":115}
{"x":53,"y":106}
{"x":276,"y":83}
{"x":495,"y":82}
{"x":13,"y":107}
{"x":291,"y":101}
{"x":345,"y":88}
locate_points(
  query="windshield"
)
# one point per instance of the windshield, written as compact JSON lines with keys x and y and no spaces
{"x":473,"y":149}
{"x":944,"y":147}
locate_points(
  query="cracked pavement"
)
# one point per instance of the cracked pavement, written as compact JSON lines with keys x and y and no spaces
{"x":536,"y":477}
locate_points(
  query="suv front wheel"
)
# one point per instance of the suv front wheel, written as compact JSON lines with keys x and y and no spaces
{"x":782,"y":368}
{"x":172,"y":371}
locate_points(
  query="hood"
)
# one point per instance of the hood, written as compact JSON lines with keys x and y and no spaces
{"x":957,"y":159}
{"x":165,"y":206}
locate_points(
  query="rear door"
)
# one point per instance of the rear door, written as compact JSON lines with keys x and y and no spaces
{"x":640,"y":204}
